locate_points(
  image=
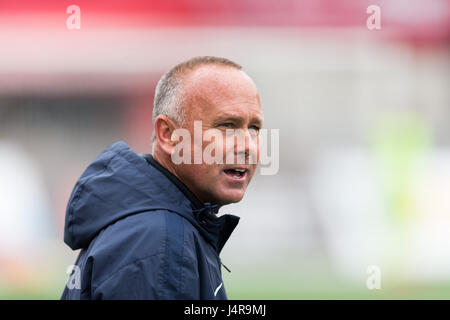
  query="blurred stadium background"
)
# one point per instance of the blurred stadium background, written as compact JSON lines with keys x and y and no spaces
{"x":364,"y":177}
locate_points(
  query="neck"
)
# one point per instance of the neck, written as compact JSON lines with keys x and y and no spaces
{"x":165,"y":160}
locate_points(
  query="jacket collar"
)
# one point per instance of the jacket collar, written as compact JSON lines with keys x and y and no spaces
{"x":196,"y":203}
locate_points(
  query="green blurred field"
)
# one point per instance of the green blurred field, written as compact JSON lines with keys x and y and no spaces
{"x":287,"y":284}
{"x":271,"y":283}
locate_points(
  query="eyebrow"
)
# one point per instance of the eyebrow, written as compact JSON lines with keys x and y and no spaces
{"x":229,"y":117}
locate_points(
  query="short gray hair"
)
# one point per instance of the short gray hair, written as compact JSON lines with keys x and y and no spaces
{"x":168,"y":94}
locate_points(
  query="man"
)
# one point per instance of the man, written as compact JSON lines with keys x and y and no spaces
{"x":147,"y":225}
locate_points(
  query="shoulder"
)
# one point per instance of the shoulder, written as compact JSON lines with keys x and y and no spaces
{"x":159,"y":236}
{"x":130,"y":240}
{"x":145,"y":230}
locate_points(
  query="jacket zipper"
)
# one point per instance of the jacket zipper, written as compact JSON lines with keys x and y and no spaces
{"x":225,"y":267}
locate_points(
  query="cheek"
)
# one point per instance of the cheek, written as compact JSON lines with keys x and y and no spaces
{"x":258,"y":148}
{"x":225,"y":144}
{"x":206,"y":174}
{"x":252,"y":173}
{"x":255,"y":150}
{"x":228,"y":145}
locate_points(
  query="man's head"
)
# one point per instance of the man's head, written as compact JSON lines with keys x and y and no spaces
{"x":218,"y":93}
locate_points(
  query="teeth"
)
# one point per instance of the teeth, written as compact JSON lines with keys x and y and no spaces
{"x":239,"y":170}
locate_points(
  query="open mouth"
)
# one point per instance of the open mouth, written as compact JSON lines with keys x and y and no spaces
{"x":236,"y":173}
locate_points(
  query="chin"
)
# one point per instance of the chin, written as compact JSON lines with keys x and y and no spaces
{"x":231,"y":197}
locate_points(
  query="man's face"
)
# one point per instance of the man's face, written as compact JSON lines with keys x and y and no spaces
{"x":226,"y":100}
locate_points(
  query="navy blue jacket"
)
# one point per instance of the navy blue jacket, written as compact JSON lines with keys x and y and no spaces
{"x":142,"y":233}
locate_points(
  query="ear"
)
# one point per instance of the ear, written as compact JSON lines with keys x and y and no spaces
{"x":164,"y":128}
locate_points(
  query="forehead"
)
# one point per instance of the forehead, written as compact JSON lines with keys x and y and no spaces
{"x":214,"y":89}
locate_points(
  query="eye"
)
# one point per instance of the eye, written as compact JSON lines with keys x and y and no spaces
{"x":226,"y":125}
{"x":255,"y":128}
